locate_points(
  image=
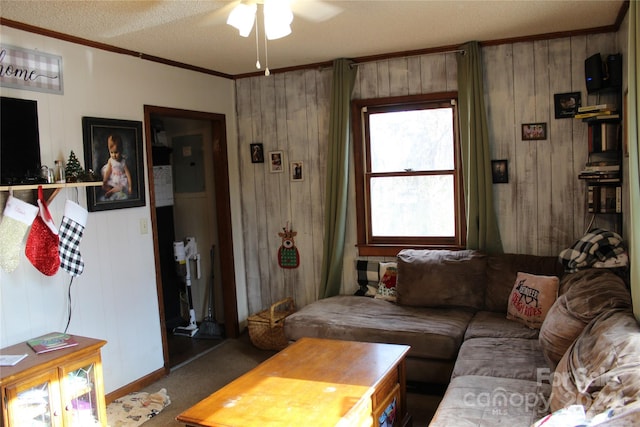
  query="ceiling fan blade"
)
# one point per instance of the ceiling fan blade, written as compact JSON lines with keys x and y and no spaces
{"x":141,"y":15}
{"x":220,"y":15}
{"x":314,"y":10}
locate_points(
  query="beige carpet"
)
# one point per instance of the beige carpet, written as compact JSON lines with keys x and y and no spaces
{"x":192,"y":382}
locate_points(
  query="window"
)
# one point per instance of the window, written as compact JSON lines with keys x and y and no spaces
{"x":408,"y":174}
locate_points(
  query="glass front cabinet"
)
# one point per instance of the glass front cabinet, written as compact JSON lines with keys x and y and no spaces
{"x":59,"y":388}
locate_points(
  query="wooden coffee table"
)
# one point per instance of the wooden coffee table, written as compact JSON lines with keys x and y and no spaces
{"x":313,"y":382}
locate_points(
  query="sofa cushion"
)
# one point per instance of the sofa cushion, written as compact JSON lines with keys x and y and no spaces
{"x":502,"y":271}
{"x":441,"y":278}
{"x":627,"y":416}
{"x":431,"y":333}
{"x":531,"y":298}
{"x":502,"y":357}
{"x":428,"y":371}
{"x":488,"y":324}
{"x":479,"y":401}
{"x":601,"y":369}
{"x":584,"y":295}
{"x":575,"y":416}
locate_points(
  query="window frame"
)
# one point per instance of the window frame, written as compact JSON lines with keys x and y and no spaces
{"x":367,"y":244}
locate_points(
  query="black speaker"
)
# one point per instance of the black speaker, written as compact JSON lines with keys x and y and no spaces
{"x":614,"y":70}
{"x":593,"y":73}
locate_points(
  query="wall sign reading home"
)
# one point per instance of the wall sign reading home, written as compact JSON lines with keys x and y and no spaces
{"x":30,"y":69}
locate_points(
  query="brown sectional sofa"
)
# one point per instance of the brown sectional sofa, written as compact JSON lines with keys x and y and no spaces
{"x":451,"y":309}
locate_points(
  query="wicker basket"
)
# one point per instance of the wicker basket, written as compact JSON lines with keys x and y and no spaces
{"x":266,"y":329}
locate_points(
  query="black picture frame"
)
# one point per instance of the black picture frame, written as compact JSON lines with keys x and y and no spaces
{"x":534,"y":131}
{"x":567,"y":104}
{"x":257,"y":152}
{"x":500,"y":171}
{"x":297,"y":171}
{"x":97,"y":134}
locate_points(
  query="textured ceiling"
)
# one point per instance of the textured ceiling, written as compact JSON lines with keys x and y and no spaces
{"x":195,"y":33}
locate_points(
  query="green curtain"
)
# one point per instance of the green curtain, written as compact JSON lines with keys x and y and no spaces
{"x":633,"y":132}
{"x":335,"y":211}
{"x":482,"y":226}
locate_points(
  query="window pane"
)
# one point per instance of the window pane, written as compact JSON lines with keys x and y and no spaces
{"x":413,"y":206}
{"x":419,"y":140}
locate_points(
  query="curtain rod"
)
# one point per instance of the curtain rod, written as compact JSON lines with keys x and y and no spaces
{"x":357,"y":64}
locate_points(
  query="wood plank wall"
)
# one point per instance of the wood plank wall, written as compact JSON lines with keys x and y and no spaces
{"x":285,"y":112}
{"x":540,"y":211}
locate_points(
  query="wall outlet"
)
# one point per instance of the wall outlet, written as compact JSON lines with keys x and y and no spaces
{"x":144,"y":226}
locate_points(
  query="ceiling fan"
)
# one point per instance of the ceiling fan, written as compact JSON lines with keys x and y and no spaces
{"x":278,"y":15}
{"x":271,"y":17}
{"x":141,"y":15}
{"x":277,"y":18}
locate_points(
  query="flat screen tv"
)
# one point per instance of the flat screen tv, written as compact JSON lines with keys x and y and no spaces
{"x":19,"y":142}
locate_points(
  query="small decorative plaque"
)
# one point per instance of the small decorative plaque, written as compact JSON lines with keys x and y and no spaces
{"x":30,"y":69}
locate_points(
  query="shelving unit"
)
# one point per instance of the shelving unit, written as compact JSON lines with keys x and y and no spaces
{"x":603,"y":170}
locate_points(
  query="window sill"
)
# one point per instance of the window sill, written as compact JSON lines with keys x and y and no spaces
{"x":392,"y":250}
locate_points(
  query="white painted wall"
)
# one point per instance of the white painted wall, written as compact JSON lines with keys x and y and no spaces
{"x":115,"y":298}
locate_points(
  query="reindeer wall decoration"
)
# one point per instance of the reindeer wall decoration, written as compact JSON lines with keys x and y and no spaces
{"x":288,"y":256}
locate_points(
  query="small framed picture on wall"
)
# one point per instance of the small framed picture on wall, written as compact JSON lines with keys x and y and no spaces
{"x":276,"y":162}
{"x":499,"y":171}
{"x":297,"y":171}
{"x":257,"y":152}
{"x":534,"y":131}
{"x":566,"y":104}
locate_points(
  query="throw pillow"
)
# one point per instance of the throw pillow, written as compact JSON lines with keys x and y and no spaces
{"x":367,"y":276}
{"x":531,"y":298}
{"x":388,"y":280}
{"x":502,"y":271}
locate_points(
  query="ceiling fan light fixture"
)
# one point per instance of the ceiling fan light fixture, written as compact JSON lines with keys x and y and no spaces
{"x":242,"y":18}
{"x":277,"y":19}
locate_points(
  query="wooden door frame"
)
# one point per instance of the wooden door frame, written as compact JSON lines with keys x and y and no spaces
{"x":223,"y":212}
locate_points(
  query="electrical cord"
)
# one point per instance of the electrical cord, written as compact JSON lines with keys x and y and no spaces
{"x":69,"y":307}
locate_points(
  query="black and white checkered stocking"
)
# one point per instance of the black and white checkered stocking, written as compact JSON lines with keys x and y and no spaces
{"x":71,"y":229}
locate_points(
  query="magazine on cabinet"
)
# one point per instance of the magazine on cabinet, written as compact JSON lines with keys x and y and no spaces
{"x":51,"y":342}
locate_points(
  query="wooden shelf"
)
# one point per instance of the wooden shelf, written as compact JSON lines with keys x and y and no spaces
{"x":55,"y":187}
{"x":48,"y":186}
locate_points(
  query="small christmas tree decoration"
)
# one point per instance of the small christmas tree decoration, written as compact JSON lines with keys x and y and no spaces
{"x":73,"y":169}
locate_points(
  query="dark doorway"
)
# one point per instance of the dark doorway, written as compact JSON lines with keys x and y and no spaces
{"x":177,"y":349}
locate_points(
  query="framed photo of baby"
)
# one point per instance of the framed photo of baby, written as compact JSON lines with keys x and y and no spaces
{"x":113,"y":150}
